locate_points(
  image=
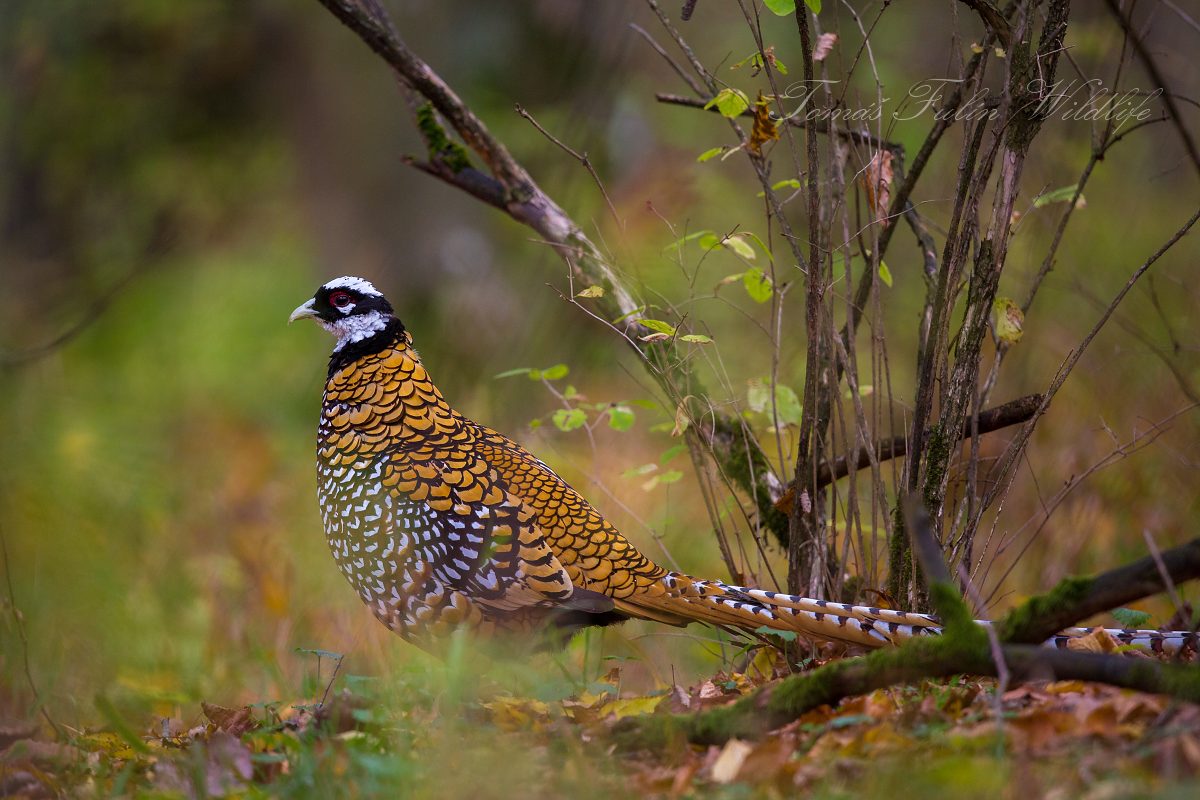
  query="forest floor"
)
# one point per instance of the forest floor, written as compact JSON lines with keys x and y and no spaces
{"x":448,"y":732}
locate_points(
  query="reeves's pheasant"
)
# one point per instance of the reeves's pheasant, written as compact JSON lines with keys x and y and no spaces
{"x":439,"y":522}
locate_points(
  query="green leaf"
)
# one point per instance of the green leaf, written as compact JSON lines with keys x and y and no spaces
{"x":633,"y":313}
{"x":670,"y":476}
{"x":672,"y":452}
{"x":712,"y":152}
{"x":885,"y":274}
{"x":1131,"y":618}
{"x":781,"y":8}
{"x":659,"y":326}
{"x":709,"y":241}
{"x":790,"y":183}
{"x":332,"y":656}
{"x":761,"y":244}
{"x":676,"y":245}
{"x":787,"y":636}
{"x":696,"y":338}
{"x":813,"y":6}
{"x":511,"y":372}
{"x":752,"y":59}
{"x":621,"y":418}
{"x":1061,"y":195}
{"x":728,"y":279}
{"x":637,"y":472}
{"x":592,"y":291}
{"x":729,"y":102}
{"x":758,"y":395}
{"x":757,"y":284}
{"x":739,"y":245}
{"x":787,"y":405}
{"x":568,"y":419}
{"x":555,"y":373}
{"x":682,"y":420}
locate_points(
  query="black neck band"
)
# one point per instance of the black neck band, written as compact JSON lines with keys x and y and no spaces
{"x":374,"y":343}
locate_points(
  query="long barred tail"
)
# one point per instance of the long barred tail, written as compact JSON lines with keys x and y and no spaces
{"x":743,"y":607}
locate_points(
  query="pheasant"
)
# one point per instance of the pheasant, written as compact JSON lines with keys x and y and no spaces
{"x":439,"y":522}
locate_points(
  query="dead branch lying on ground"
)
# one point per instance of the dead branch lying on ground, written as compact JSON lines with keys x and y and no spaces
{"x":963,"y":648}
{"x":1075,"y":599}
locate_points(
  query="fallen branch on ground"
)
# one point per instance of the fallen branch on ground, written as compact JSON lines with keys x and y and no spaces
{"x":962,"y":649}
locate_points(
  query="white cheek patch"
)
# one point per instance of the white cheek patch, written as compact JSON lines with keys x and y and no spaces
{"x":356,"y":328}
{"x":354,"y":284}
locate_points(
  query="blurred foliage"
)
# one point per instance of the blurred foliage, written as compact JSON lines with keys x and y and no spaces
{"x":156,"y":473}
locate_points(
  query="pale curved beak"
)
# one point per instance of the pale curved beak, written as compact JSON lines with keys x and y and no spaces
{"x":303,"y":312}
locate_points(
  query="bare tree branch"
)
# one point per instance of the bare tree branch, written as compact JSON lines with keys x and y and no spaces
{"x":992,"y":18}
{"x":1003,"y":416}
{"x":818,"y":125}
{"x":1156,"y":75}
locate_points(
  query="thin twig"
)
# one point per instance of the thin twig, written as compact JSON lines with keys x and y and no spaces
{"x":992,"y":18}
{"x":993,"y":419}
{"x":582,"y":158}
{"x":1018,"y":444}
{"x":818,"y":125}
{"x":20,"y":626}
{"x":1002,"y":673}
{"x":1156,"y":75}
{"x":684,"y":75}
{"x":336,"y":668}
{"x":1168,"y":583}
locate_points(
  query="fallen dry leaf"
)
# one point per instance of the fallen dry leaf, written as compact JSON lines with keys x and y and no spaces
{"x":234,"y":721}
{"x":1098,"y":641}
{"x":729,"y":763}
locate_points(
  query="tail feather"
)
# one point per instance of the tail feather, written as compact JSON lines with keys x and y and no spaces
{"x":718,"y":603}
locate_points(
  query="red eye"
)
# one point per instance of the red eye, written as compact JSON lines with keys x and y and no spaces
{"x":340,"y":299}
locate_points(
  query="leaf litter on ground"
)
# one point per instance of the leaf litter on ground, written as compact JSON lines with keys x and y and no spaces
{"x":1064,"y":736}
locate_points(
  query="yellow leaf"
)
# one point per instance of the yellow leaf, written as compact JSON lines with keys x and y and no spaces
{"x":631,"y":706}
{"x":1008,"y":320}
{"x":1065,"y":687}
{"x":514,"y":713}
{"x":765,"y":129}
{"x":681,"y":419}
{"x":1098,"y":641}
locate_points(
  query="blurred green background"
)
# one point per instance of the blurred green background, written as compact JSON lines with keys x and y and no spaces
{"x":177,"y":175}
